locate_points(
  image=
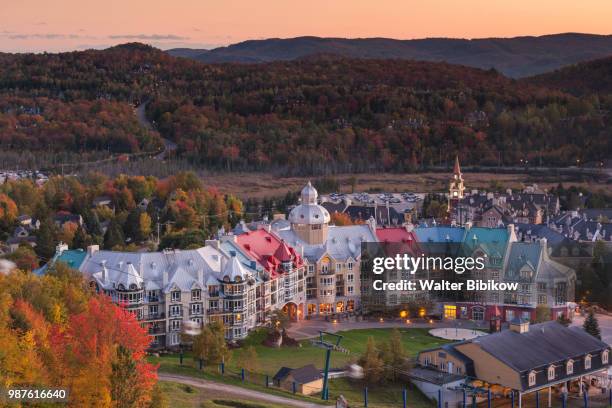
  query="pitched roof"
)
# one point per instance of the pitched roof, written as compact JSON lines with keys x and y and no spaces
{"x":264,"y":246}
{"x":300,"y":375}
{"x":544,"y":344}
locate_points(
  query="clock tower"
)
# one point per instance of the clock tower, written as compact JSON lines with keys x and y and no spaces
{"x":456,"y":187}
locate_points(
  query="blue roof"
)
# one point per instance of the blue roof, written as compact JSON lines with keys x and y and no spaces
{"x":440,"y":234}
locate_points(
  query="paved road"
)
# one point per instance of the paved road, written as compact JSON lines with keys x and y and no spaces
{"x":238,"y":392}
{"x":605,"y":325}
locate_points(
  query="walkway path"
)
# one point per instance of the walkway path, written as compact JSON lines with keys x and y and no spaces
{"x":239,"y":392}
{"x":310,"y":328}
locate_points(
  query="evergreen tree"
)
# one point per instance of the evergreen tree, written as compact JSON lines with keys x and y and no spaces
{"x":132,"y":225}
{"x":46,"y":240}
{"x":591,"y":325}
{"x":113,"y":236}
{"x":81,"y":239}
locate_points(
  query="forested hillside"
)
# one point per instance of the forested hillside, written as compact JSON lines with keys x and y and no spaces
{"x":580,"y":79}
{"x":314,"y":115}
{"x":515,"y":57}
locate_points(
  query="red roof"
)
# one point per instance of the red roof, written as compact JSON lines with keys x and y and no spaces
{"x":269,"y":250}
{"x":283,"y":253}
{"x":398,"y":235}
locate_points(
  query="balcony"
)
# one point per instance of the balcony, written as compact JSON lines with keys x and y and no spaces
{"x":175,"y":314}
{"x":154,"y":316}
{"x":157,"y":330}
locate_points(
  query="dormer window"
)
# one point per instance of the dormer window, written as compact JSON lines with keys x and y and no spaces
{"x":569,"y":367}
{"x":196,"y":294}
{"x":605,"y":356}
{"x":587,"y":362}
{"x":532,"y":378}
{"x":176,"y":295}
{"x":551,"y":373}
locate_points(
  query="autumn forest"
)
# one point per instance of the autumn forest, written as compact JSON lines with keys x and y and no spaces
{"x":320,"y":114}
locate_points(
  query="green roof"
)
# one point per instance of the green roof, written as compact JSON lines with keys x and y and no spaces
{"x":72,"y":257}
{"x":492,"y":241}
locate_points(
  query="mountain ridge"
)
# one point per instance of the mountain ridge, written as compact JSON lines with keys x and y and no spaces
{"x":515,"y":57}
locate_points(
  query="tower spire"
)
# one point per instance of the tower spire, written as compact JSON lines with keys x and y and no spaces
{"x":457,"y":169}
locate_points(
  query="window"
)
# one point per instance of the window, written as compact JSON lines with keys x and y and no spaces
{"x":551,"y":373}
{"x":509,"y":315}
{"x":196,"y":294}
{"x":327,"y":281}
{"x":532,"y":378}
{"x":526,"y":315}
{"x":542,"y":286}
{"x":349,"y":266}
{"x":175,"y":310}
{"x":478,"y":313}
{"x":569,"y":367}
{"x":587,"y":362}
{"x":196,"y":308}
{"x":175,"y":325}
{"x":350,"y":278}
{"x":542,"y":299}
{"x":153,"y":295}
{"x":605,"y":356}
{"x":338,"y":266}
{"x":153,"y":309}
{"x":350,"y":290}
{"x":176,"y":295}
{"x":310,"y":268}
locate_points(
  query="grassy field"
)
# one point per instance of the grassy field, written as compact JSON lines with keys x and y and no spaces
{"x":183,"y":396}
{"x":260,"y":185}
{"x":271,"y":359}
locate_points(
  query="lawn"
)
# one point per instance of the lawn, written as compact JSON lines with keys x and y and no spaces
{"x":271,"y":359}
{"x":354,"y":341}
{"x":183,"y":396}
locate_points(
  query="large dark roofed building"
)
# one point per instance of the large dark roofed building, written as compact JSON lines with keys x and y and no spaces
{"x":524,"y":358}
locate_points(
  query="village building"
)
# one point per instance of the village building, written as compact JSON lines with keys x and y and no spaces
{"x":305,"y":380}
{"x":332,"y":254}
{"x":523,"y":359}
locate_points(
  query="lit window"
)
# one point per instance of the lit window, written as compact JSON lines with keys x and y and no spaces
{"x":605,"y":356}
{"x":532,"y":378}
{"x":587,"y":362}
{"x":551,"y":373}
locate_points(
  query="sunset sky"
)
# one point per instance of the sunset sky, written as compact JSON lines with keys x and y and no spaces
{"x":58,"y":25}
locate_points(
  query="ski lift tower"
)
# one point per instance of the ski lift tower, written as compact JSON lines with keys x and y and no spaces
{"x":329,"y":346}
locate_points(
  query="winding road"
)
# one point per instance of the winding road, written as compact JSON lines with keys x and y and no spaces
{"x":169,"y":145}
{"x":238,"y":392}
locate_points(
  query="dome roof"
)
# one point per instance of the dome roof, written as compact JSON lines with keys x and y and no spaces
{"x":309,"y":194}
{"x":309,"y":212}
